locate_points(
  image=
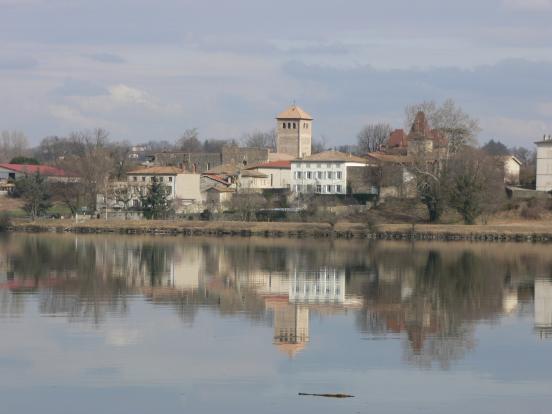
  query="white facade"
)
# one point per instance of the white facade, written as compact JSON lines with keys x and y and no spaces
{"x":544,"y":164}
{"x":179,"y":186}
{"x":320,"y":177}
{"x":277,"y":177}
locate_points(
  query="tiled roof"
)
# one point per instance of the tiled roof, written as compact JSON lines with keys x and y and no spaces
{"x":286,"y":165}
{"x":158,"y":170}
{"x":253,"y":174}
{"x":229,"y":169}
{"x":45,"y":170}
{"x":398,"y":138}
{"x":279,"y":156}
{"x":333,"y":156}
{"x":294,"y":112}
{"x":396,"y":159}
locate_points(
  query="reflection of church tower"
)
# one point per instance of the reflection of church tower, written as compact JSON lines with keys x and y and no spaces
{"x":291,"y":326}
{"x":543,"y":308}
{"x":294,"y":132}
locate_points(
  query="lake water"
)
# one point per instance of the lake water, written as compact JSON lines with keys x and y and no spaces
{"x":130,"y":324}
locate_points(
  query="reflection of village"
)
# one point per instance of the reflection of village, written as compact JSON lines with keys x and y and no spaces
{"x":282,"y":286}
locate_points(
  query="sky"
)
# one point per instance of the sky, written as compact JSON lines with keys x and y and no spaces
{"x":149,"y":70}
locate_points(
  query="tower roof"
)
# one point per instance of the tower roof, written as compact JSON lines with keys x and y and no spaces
{"x":294,"y":112}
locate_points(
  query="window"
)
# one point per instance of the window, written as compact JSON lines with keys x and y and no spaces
{"x":168,"y":189}
{"x":338,"y":189}
{"x":289,"y":125}
{"x":299,"y":175}
{"x":338,"y":175}
{"x":309,"y":175}
{"x":329,"y":174}
{"x":328,"y":188}
{"x":170,"y":179}
{"x":294,"y":125}
{"x":143,"y":178}
{"x":318,"y":188}
{"x":161,"y":179}
{"x":284,"y":125}
{"x":320,"y":175}
{"x":135,"y":178}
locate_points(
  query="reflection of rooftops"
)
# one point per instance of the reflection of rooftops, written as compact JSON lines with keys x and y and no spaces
{"x":291,"y":349}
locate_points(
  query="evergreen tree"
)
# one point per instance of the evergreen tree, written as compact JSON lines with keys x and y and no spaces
{"x":155,"y":203}
{"x":34,"y":190}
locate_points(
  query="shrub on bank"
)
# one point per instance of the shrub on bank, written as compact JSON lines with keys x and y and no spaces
{"x":5,"y":222}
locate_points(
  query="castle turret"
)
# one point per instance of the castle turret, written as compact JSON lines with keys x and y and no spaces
{"x":294,"y":132}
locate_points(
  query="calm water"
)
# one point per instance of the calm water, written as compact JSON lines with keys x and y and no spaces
{"x":177,"y":325}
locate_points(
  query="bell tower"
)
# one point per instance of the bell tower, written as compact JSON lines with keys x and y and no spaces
{"x":294,"y":132}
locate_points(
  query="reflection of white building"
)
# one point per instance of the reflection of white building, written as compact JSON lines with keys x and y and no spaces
{"x":185,"y":270}
{"x":543,"y":308}
{"x":326,"y":285}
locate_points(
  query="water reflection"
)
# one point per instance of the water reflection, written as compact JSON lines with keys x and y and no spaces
{"x":431,"y":297}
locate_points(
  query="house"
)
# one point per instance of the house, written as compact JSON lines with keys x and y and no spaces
{"x":391,"y":175}
{"x":420,"y":138}
{"x":251,"y":180}
{"x":511,"y":166}
{"x":182,"y":187}
{"x":216,"y":196}
{"x":323,"y":173}
{"x":544,"y":164}
{"x":277,"y":172}
{"x":11,"y":172}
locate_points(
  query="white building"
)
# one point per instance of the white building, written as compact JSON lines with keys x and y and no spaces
{"x":544,"y":164}
{"x":181,"y":186}
{"x":323,"y":173}
{"x":278,"y":173}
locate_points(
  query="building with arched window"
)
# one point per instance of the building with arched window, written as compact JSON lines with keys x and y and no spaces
{"x":294,"y":132}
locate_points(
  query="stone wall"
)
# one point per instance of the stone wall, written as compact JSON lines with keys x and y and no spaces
{"x":232,"y":154}
{"x":193,"y":162}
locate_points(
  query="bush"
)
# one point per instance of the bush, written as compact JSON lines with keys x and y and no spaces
{"x":5,"y":222}
{"x":531,"y":212}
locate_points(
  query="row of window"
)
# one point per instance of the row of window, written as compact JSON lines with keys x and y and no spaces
{"x":320,"y":189}
{"x":319,"y":165}
{"x":143,"y":191}
{"x":319,"y":175}
{"x":290,"y":125}
{"x":159,"y":179}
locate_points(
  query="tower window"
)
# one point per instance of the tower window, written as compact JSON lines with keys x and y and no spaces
{"x":289,"y":125}
{"x":284,"y":125}
{"x":294,"y":125}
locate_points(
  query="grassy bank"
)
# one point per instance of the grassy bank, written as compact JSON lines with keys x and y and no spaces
{"x":520,"y":231}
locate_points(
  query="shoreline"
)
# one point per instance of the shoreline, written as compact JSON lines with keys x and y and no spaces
{"x":512,"y":232}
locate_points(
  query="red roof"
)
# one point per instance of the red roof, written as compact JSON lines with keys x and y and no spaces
{"x":45,"y":170}
{"x":397,"y":139}
{"x":272,"y":164}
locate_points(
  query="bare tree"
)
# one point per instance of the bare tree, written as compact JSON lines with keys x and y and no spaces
{"x":475,"y":183}
{"x":448,"y":119}
{"x":371,"y":137}
{"x":12,"y":144}
{"x":189,"y":141}
{"x":319,"y":144}
{"x":261,"y":139}
{"x":246,"y":204}
{"x":94,"y":165}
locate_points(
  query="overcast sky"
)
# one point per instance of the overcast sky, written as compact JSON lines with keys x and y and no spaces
{"x":146,"y":69}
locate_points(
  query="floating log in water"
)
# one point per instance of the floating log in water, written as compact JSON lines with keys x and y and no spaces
{"x":328,"y":395}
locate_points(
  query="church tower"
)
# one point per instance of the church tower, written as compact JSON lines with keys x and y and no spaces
{"x":294,"y":132}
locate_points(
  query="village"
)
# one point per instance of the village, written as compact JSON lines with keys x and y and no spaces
{"x":282,"y":175}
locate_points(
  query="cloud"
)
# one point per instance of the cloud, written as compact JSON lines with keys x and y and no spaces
{"x":17,"y":63}
{"x":79,"y":87}
{"x":106,"y":57}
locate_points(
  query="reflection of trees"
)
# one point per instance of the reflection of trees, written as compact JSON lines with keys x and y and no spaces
{"x":435,"y":299}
